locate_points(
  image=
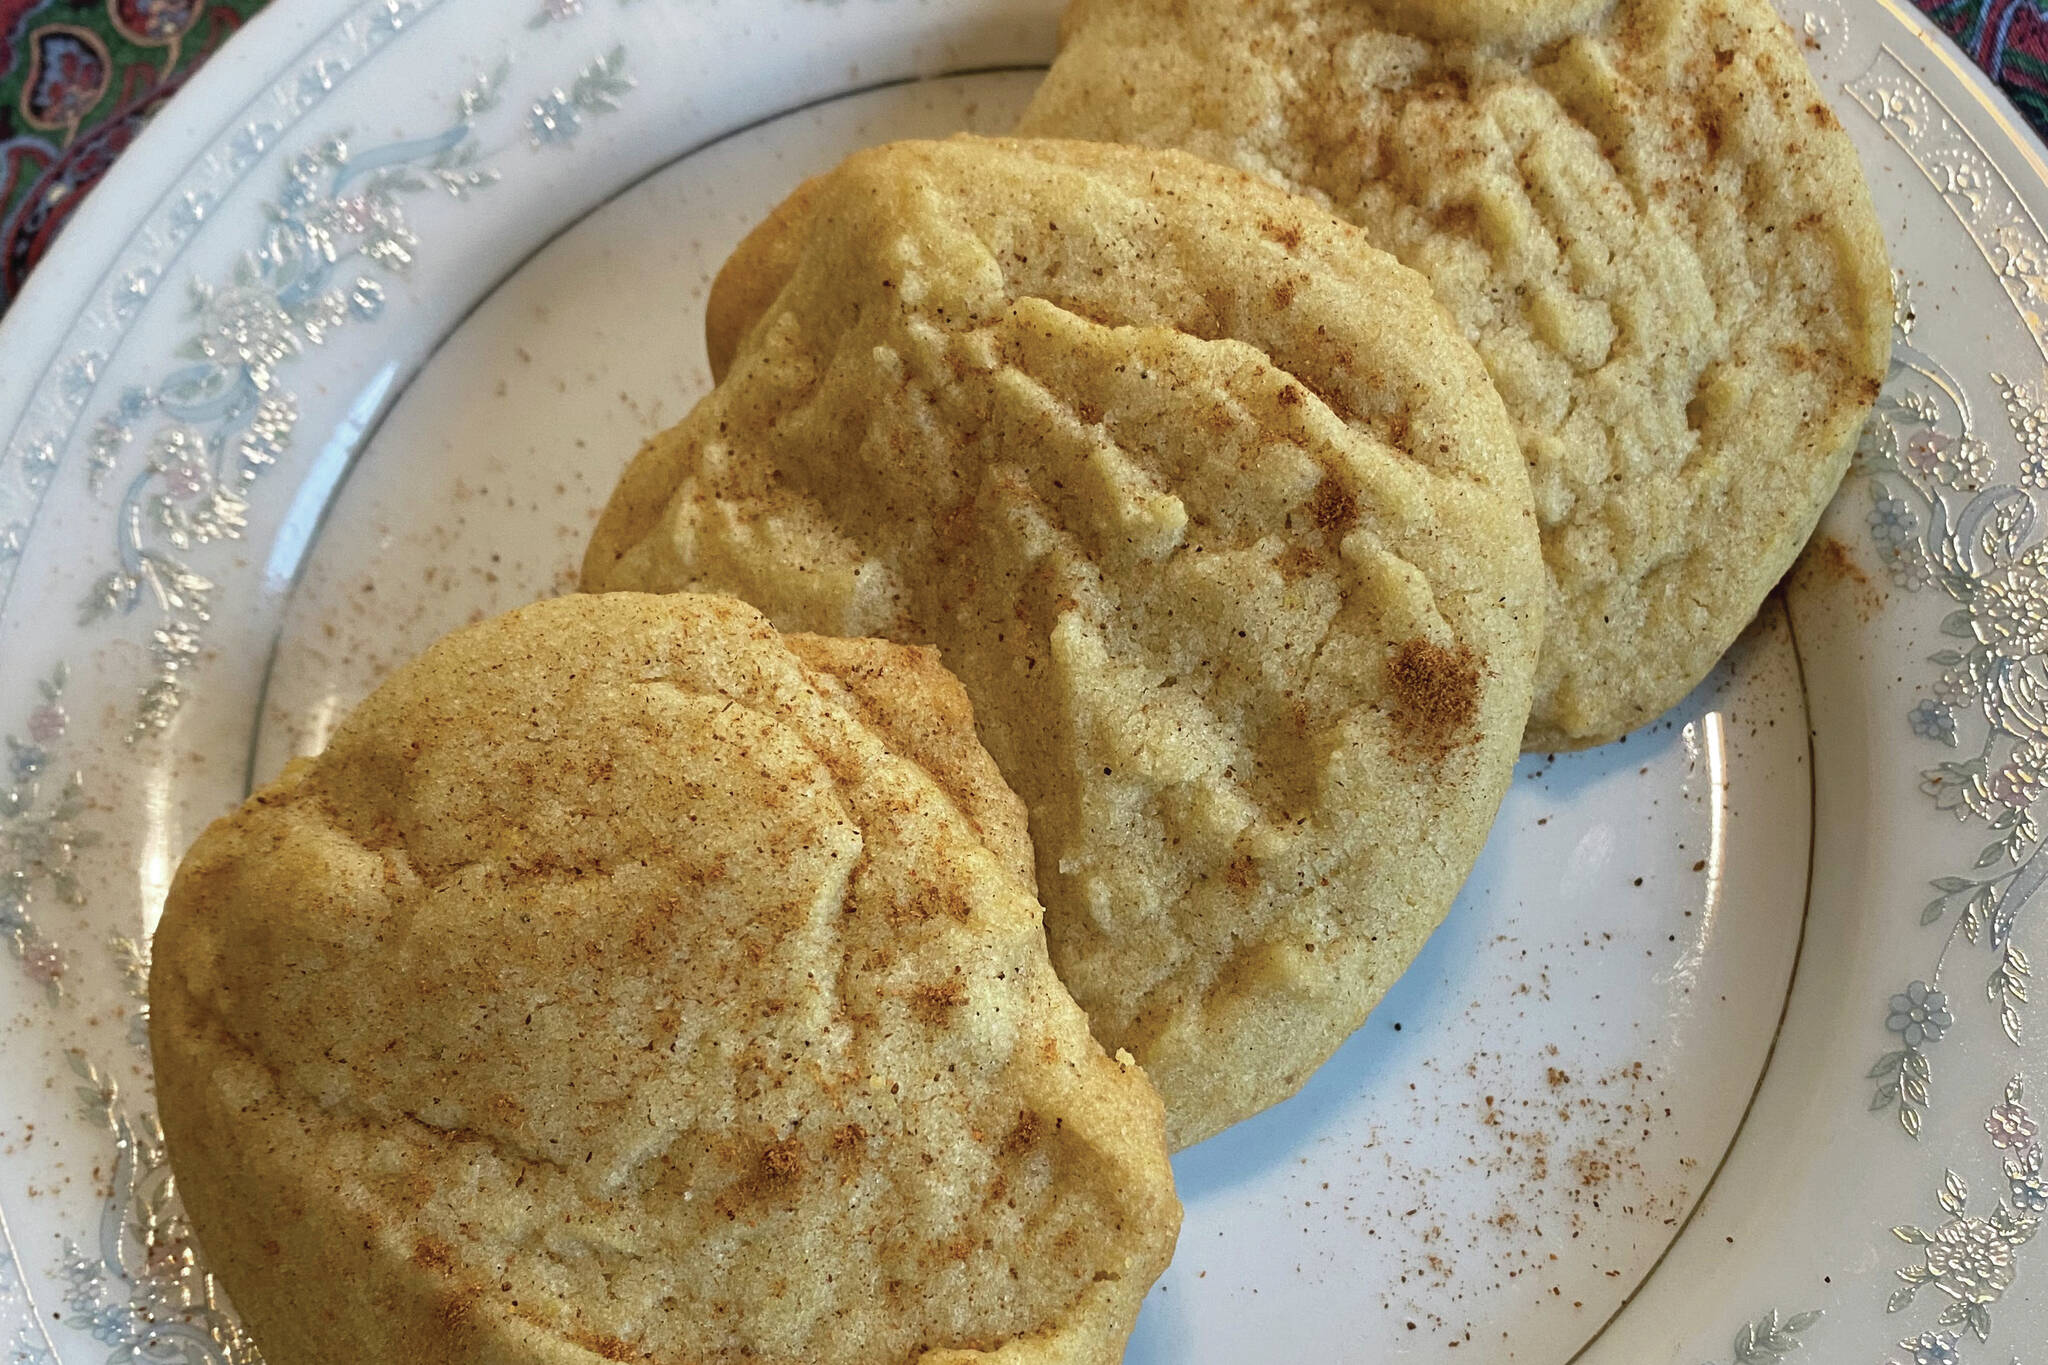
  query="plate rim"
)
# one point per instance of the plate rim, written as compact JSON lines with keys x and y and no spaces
{"x":83,"y":258}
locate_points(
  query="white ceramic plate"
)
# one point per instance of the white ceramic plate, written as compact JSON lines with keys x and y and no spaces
{"x":1725,"y":1051}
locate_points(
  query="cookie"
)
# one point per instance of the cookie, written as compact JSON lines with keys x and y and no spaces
{"x":629,"y":982}
{"x":1643,"y":214}
{"x":1213,"y":513}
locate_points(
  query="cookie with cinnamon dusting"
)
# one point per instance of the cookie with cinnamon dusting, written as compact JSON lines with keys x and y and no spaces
{"x":1644,"y":214}
{"x":1213,"y":512}
{"x":629,"y":982}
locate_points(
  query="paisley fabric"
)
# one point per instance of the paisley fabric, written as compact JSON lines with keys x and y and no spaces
{"x":2009,"y":39}
{"x":79,"y":78}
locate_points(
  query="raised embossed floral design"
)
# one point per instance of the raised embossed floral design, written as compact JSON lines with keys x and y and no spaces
{"x":142,"y":1290}
{"x":2010,"y":1126}
{"x":1974,"y":1259}
{"x":557,"y":11}
{"x":224,"y":418}
{"x":41,"y":833}
{"x":1919,"y":1014}
{"x":1985,"y":554}
{"x":2023,"y":779}
{"x":214,"y":424}
{"x":1896,"y":529}
{"x":2008,"y":611}
{"x":1933,"y":1348}
{"x":248,"y":326}
{"x":558,"y":116}
{"x":2027,"y":415}
{"x":1934,"y":522}
{"x":1772,"y":1338}
{"x":29,"y":1346}
{"x":1951,"y":461}
{"x":338,"y":223}
{"x":2029,"y":1186}
{"x":1932,"y":721}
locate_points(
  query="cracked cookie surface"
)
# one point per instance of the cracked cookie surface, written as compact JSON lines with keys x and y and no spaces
{"x":1211,"y":510}
{"x":1644,"y":215}
{"x":627,"y":981}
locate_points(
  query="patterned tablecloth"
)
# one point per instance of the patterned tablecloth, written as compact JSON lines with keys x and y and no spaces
{"x":79,"y":78}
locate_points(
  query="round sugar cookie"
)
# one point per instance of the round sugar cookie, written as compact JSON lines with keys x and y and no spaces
{"x":1213,"y":513}
{"x":628,"y":982}
{"x":1644,"y":215}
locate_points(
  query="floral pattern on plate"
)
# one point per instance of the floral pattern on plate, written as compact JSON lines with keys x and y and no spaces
{"x":209,"y":430}
{"x":1937,"y":520}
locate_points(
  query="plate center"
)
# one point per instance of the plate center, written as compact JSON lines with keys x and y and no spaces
{"x":1505,"y":1150}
